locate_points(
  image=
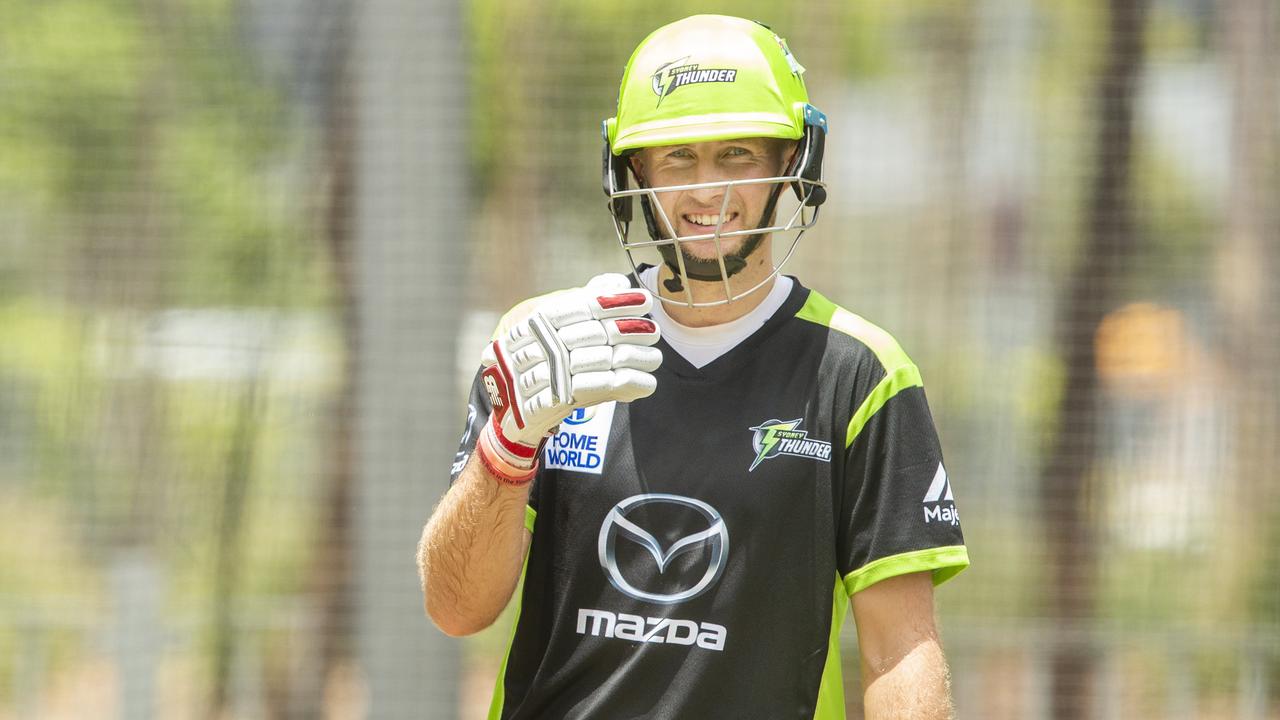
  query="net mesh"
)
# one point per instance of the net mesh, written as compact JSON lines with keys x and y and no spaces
{"x":249,"y":251}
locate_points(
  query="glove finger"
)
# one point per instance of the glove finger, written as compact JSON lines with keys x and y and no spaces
{"x":605,"y":283}
{"x":604,"y":299}
{"x":567,"y":309}
{"x":593,"y":387}
{"x":623,"y":385}
{"x":528,"y":356}
{"x":631,"y":385}
{"x":631,"y":330}
{"x":538,"y":404}
{"x":596,"y":358}
{"x":520,"y":335}
{"x":535,"y":380}
{"x":583,"y":334}
{"x":631,"y":303}
{"x":636,"y":357}
{"x":488,"y":358}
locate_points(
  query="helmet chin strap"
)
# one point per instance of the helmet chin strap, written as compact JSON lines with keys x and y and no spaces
{"x":702,"y":269}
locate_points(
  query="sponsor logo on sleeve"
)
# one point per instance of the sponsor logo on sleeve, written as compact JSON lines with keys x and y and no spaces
{"x":939,"y":503}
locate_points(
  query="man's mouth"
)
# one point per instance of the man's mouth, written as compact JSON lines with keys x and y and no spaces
{"x":708,"y":222}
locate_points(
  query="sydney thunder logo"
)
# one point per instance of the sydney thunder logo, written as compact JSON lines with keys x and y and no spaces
{"x":784,"y":437}
{"x":676,"y":74}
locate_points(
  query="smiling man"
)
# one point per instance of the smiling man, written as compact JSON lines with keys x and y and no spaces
{"x":698,"y":469}
{"x":729,"y":193}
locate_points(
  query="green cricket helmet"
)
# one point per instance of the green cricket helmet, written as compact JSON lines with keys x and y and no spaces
{"x":709,"y":78}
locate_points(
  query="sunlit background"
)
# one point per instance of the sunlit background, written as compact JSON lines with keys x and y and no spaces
{"x":249,"y":249}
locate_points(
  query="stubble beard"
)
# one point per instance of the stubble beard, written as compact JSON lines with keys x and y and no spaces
{"x":745,"y":249}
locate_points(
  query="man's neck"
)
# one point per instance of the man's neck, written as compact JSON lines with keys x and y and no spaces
{"x":756,"y":271}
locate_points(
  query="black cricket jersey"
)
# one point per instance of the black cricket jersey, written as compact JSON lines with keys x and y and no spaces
{"x":694,"y":552}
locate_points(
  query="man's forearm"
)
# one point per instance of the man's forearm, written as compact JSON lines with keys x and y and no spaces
{"x":916,"y":687}
{"x":471,"y":551}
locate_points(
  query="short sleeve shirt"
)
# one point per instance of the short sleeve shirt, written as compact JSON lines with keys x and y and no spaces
{"x":693,"y":552}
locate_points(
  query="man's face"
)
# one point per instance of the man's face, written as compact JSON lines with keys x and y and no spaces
{"x":698,"y":212}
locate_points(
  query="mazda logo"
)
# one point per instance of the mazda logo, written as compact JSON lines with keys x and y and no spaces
{"x":714,"y":536}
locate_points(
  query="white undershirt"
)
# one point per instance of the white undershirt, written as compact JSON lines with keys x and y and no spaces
{"x":701,"y":345}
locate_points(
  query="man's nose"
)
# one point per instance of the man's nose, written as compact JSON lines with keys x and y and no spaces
{"x":708,"y":172}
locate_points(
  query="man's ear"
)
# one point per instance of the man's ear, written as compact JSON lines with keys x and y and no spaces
{"x":637,"y":166}
{"x":789,"y":150}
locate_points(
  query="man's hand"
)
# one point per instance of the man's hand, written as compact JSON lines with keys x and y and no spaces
{"x":577,"y":349}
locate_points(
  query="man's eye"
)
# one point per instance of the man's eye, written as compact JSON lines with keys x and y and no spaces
{"x":681,"y":154}
{"x":736,"y":152}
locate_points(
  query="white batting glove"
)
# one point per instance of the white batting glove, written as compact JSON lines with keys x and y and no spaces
{"x":579,"y":348}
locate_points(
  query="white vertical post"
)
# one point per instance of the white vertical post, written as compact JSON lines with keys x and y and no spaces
{"x":136,"y":630}
{"x":31,"y":664}
{"x":1251,"y":698}
{"x":1038,"y":679}
{"x":1110,"y":683}
{"x":1182,"y":696}
{"x":410,"y":134}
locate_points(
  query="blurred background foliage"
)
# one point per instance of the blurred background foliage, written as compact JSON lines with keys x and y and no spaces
{"x":1071,"y":223}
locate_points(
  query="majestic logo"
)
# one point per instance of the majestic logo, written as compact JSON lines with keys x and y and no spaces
{"x":676,"y":74}
{"x":939,"y":493}
{"x":714,"y":536}
{"x":784,"y":437}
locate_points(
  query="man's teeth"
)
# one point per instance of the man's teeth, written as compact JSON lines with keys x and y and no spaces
{"x":705,"y":219}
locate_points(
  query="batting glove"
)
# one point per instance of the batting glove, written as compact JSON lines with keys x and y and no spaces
{"x":576,"y":349}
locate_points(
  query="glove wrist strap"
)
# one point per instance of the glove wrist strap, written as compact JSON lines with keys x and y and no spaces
{"x":507,"y":468}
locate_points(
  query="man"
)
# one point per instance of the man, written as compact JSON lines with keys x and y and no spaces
{"x":695,"y":495}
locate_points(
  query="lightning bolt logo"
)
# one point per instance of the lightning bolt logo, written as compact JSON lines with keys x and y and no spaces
{"x":664,"y":86}
{"x":768,"y":434}
{"x":676,"y":74}
{"x":772,"y":438}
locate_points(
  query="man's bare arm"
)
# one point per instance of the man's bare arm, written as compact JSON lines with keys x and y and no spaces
{"x":471,"y":551}
{"x":904,"y":672}
{"x":568,"y":350}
